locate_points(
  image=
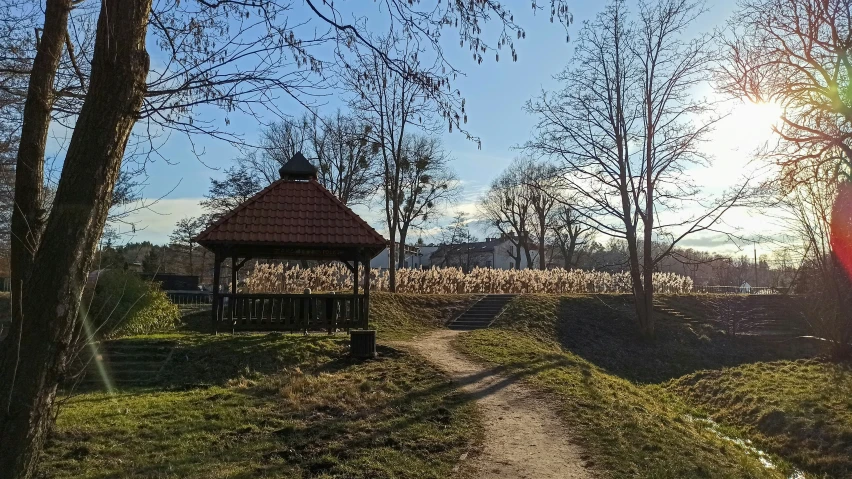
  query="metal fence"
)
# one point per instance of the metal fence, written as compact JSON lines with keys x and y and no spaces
{"x":190,"y":298}
{"x":751,"y":290}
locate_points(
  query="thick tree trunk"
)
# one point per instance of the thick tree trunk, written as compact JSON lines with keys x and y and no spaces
{"x":28,"y":381}
{"x":639,"y":296}
{"x":28,"y":211}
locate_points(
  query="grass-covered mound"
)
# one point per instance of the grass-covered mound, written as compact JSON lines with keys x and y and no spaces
{"x":602,"y":329}
{"x":801,"y":410}
{"x":274,"y":405}
{"x":403,"y":316}
{"x":629,"y":430}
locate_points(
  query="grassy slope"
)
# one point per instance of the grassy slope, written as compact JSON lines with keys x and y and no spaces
{"x":398,"y":317}
{"x":602,"y":329}
{"x":629,"y":430}
{"x":801,"y":410}
{"x":275,"y":406}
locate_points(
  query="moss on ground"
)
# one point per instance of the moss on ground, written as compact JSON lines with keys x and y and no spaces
{"x":629,"y":430}
{"x":801,"y":410}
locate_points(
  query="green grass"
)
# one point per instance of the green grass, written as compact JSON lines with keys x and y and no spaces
{"x":629,"y":430}
{"x":273,"y":405}
{"x":602,"y":329}
{"x":399,"y":317}
{"x":801,"y":410}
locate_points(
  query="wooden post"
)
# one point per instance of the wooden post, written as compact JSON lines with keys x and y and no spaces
{"x":330,"y":314}
{"x":234,"y":269}
{"x":356,"y":313}
{"x":232,"y":303}
{"x":366,"y":307}
{"x":217,"y":269}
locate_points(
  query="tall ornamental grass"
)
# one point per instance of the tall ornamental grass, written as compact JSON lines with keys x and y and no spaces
{"x":279,"y":278}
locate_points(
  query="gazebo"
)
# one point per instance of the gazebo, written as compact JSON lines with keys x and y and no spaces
{"x":294,"y":218}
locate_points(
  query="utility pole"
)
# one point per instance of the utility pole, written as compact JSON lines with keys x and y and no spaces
{"x":755,"y":263}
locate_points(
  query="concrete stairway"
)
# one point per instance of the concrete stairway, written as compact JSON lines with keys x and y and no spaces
{"x":127,"y":363}
{"x":482,"y":313}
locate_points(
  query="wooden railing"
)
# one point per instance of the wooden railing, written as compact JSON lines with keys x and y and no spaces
{"x":291,"y":312}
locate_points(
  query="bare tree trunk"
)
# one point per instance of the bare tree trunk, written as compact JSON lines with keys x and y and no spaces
{"x":403,"y":234}
{"x":391,"y":262}
{"x":28,"y":381}
{"x":527,"y":253}
{"x":28,"y":210}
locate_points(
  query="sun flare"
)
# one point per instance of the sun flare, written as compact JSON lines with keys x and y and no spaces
{"x":758,"y":117}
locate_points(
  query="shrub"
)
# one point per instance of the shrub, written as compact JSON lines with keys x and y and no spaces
{"x":280,"y":278}
{"x":121,"y":303}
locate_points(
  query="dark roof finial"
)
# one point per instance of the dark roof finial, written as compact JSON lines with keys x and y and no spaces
{"x":298,"y":168}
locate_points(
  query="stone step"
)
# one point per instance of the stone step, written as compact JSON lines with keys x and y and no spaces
{"x":468,"y":327}
{"x":132,"y":358}
{"x":482,"y":313}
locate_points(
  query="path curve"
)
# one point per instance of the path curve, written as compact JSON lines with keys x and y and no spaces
{"x":523,"y":436}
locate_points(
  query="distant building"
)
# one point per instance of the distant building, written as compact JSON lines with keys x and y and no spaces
{"x":745,"y":288}
{"x":413,"y":258}
{"x":497,"y":253}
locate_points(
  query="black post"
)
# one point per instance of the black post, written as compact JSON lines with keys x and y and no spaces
{"x":356,"y":306}
{"x":366,"y":306}
{"x":217,"y":267}
{"x":234,"y":269}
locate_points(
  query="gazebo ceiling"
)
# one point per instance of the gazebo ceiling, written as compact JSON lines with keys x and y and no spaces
{"x":292,"y":216}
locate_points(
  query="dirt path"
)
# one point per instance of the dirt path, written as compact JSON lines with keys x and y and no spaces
{"x":523,"y":437}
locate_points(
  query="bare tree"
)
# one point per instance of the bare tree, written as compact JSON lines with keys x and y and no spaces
{"x":338,"y":145}
{"x":569,"y":232}
{"x":53,"y":271}
{"x":392,"y":105}
{"x":507,"y":207}
{"x":627,"y":125}
{"x":795,"y":53}
{"x":97,"y":79}
{"x":225,"y":195}
{"x":182,"y":237}
{"x":456,"y":249}
{"x":426,"y":182}
{"x":542,"y":186}
{"x":815,"y":198}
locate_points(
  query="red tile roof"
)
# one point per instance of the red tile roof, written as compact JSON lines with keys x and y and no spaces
{"x":292,"y":213}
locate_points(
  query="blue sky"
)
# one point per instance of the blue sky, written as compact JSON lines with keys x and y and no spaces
{"x":495,"y":94}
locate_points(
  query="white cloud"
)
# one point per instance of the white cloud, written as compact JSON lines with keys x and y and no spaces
{"x":156,"y":222}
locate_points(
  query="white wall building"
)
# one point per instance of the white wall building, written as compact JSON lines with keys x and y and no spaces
{"x":413,"y":258}
{"x":498,"y":253}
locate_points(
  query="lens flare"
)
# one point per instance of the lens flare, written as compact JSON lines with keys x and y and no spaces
{"x":96,"y":354}
{"x":841,"y":227}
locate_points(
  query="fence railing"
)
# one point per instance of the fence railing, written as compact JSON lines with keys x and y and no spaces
{"x":190,"y":298}
{"x":752,"y":290}
{"x":291,"y":312}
